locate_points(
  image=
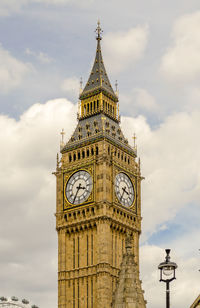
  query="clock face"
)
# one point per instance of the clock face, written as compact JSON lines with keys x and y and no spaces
{"x":78,"y":187}
{"x":124,"y":189}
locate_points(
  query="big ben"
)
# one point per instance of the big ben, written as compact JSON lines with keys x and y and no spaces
{"x":98,"y":197}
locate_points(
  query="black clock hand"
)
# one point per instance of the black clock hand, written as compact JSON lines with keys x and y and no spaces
{"x":78,"y":187}
{"x":123,"y":188}
{"x":126,"y":191}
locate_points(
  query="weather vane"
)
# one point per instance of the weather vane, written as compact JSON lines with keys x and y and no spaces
{"x":99,"y":31}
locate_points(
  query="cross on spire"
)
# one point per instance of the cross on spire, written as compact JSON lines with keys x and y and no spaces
{"x":98,"y":31}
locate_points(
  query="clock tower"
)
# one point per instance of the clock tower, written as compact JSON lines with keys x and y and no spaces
{"x":98,"y":198}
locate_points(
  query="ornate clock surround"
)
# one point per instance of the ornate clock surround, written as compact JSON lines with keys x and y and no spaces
{"x":66,"y":176}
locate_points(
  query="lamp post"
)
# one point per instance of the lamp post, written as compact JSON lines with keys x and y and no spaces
{"x":167,"y":274}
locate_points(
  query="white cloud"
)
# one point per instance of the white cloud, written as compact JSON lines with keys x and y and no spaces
{"x":41,"y":56}
{"x":170,"y":156}
{"x":62,"y":2}
{"x":7,"y":7}
{"x":12,"y":71}
{"x":181,"y":62}
{"x":144,"y":100}
{"x":141,"y":101}
{"x":27,"y":200}
{"x":71,"y":86}
{"x":122,"y":49}
{"x":170,"y":160}
{"x":184,"y":289}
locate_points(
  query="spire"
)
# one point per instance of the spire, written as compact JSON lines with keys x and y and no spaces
{"x":98,"y":80}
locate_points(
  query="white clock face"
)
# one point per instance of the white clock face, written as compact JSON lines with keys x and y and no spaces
{"x":124,"y":189}
{"x":79,"y":187}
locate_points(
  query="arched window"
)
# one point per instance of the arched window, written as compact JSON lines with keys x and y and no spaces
{"x":70,"y":158}
{"x":79,"y":155}
{"x":88,"y":153}
{"x":88,"y":107}
{"x":74,"y":156}
{"x":97,"y":105}
{"x":97,"y":150}
{"x":94,"y":106}
{"x":92,"y":151}
{"x":84,"y":109}
{"x":83,"y":154}
{"x":91,"y":107}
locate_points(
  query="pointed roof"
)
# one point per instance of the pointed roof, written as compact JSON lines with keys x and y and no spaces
{"x":98,"y":80}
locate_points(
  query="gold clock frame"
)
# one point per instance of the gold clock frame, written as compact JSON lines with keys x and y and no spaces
{"x":133,"y":180}
{"x":66,"y":176}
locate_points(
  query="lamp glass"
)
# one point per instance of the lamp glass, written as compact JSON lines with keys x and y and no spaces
{"x":168,"y":270}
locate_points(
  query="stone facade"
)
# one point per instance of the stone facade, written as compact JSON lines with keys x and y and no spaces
{"x":92,"y":233}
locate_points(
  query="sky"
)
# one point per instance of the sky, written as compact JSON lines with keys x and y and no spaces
{"x":153,"y":49}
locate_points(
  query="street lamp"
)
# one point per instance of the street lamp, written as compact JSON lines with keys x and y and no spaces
{"x":167,"y":274}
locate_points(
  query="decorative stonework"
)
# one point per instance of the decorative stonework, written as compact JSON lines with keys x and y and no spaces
{"x":128,"y":292}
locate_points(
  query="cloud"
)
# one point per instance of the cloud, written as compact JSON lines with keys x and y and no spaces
{"x":40,"y":56}
{"x":141,"y":100}
{"x":181,"y":61}
{"x":123,"y":48}
{"x":170,"y":163}
{"x":184,"y":289}
{"x":144,"y":100}
{"x":28,"y":240}
{"x":28,"y":259}
{"x":11,"y":6}
{"x":12,"y":71}
{"x":62,"y":2}
{"x":71,"y":86}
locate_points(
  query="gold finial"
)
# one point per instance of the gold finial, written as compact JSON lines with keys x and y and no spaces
{"x":99,"y":31}
{"x":134,"y":139}
{"x":62,"y":139}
